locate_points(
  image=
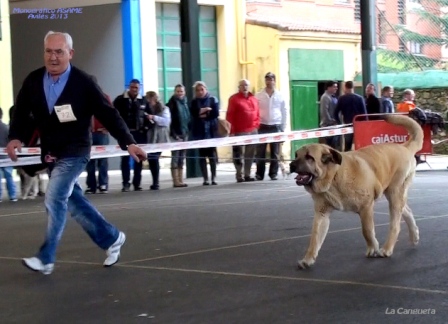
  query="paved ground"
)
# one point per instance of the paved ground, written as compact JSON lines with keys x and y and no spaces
{"x":227,"y":254}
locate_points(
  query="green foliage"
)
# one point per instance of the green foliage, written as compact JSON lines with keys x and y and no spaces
{"x":441,"y":3}
{"x":392,"y":61}
{"x":410,"y":36}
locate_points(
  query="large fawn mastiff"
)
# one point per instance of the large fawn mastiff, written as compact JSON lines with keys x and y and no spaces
{"x":352,"y":181}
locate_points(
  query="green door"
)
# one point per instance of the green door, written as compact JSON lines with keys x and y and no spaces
{"x":304,"y":110}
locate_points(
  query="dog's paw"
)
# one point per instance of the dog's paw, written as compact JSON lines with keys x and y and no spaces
{"x":414,"y":236}
{"x":372,"y":252}
{"x":384,"y":253}
{"x":304,"y":264}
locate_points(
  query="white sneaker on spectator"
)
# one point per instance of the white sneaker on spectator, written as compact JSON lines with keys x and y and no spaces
{"x":113,"y":252}
{"x":36,"y":265}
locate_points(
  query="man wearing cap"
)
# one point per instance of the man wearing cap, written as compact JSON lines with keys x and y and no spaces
{"x":272,"y":120}
{"x":131,"y":106}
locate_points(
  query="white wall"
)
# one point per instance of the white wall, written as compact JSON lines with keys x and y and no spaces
{"x":6,"y":93}
{"x":97,"y":40}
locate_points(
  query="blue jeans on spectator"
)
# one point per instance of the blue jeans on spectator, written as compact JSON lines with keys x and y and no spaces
{"x":140,"y":138}
{"x":65,"y":194}
{"x":98,"y":138}
{"x":10,"y":185}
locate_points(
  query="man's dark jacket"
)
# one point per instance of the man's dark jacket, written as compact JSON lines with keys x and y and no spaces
{"x":133,"y":111}
{"x":69,"y":139}
{"x":350,"y":105}
{"x":373,"y":105}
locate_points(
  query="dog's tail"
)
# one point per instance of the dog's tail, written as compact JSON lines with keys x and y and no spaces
{"x":415,"y":141}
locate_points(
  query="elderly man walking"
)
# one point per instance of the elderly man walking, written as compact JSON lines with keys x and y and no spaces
{"x":63,"y":99}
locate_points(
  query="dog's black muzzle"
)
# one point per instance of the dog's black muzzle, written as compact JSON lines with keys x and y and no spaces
{"x":292,"y":167}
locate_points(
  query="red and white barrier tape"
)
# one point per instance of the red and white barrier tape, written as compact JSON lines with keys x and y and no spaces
{"x":107,"y":151}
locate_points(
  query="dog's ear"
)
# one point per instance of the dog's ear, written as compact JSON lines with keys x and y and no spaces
{"x":334,"y":157}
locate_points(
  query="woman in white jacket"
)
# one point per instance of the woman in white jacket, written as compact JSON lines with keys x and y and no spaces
{"x":159,"y":118}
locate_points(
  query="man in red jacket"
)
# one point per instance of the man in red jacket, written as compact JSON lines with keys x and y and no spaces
{"x":243,"y":114}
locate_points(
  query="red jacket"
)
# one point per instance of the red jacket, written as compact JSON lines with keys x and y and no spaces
{"x":96,"y":125}
{"x":243,"y":113}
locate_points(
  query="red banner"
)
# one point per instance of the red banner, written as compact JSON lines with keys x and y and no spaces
{"x":379,"y":131}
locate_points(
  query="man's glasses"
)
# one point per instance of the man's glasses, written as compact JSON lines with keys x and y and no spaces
{"x":57,"y":53}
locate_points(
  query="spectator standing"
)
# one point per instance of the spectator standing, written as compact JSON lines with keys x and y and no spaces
{"x":387,"y":106}
{"x":407,"y":104}
{"x":243,"y":113}
{"x":100,"y":136}
{"x":204,"y":111}
{"x":132,"y":106}
{"x":179,"y":129}
{"x":6,"y":172}
{"x":328,"y":102}
{"x":159,"y":118}
{"x":349,"y":105}
{"x":373,"y":104}
{"x":272,"y":107}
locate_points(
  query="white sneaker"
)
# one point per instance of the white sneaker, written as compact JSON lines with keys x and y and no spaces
{"x":36,"y":265}
{"x":113,"y":253}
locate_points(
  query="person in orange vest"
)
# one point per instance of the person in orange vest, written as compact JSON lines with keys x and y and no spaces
{"x":406,"y":106}
{"x":408,"y":101}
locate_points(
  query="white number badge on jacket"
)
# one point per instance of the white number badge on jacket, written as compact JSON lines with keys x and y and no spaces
{"x":65,"y":113}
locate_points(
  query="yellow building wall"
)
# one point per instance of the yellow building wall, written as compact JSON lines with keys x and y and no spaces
{"x":6,"y":93}
{"x":263,"y":49}
{"x":268,"y":48}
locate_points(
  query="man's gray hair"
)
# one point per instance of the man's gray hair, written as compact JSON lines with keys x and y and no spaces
{"x":244,"y":80}
{"x":68,"y":38}
{"x":408,"y":91}
{"x":199,"y":84}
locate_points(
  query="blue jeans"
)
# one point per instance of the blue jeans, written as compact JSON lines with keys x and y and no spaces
{"x":10,"y":185}
{"x":98,"y":138}
{"x":65,"y":194}
{"x":126,"y":161}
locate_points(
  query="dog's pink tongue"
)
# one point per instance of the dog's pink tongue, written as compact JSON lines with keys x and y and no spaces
{"x":302,"y":179}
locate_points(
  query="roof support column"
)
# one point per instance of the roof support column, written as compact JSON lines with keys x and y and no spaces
{"x":368,"y":41}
